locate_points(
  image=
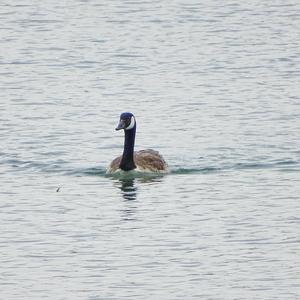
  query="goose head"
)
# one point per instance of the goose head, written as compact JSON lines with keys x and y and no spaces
{"x":127,"y":121}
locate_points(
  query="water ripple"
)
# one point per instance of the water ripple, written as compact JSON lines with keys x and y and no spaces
{"x":215,"y":88}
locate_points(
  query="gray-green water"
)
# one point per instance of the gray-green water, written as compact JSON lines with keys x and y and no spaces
{"x":214,"y":87}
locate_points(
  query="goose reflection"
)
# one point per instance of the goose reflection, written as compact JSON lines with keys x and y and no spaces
{"x":128,"y":188}
{"x":129,"y":192}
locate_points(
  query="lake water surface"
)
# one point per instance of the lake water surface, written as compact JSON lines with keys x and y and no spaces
{"x":214,"y":87}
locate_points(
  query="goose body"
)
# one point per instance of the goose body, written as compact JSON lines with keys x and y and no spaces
{"x":145,"y":161}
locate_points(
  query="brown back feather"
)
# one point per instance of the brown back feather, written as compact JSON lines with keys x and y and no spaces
{"x":151,"y":160}
{"x":115,"y":164}
{"x":145,"y":159}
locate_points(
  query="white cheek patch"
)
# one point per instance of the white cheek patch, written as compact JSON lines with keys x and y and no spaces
{"x":131,"y":125}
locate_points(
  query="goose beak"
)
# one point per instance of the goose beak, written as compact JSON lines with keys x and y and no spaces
{"x":121,"y":125}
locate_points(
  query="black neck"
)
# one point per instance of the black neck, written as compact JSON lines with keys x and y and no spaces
{"x":127,"y":162}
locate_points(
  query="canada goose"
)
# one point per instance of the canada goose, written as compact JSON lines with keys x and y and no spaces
{"x":148,"y":160}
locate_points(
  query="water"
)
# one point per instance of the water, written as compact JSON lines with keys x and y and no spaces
{"x":214,"y":87}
